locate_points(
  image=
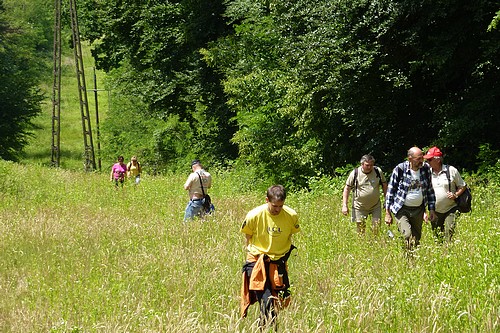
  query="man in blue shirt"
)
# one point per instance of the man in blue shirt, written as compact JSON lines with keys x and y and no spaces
{"x":408,"y":193}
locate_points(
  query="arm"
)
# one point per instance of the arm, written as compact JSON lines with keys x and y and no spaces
{"x":384,"y":188}
{"x":388,"y":216}
{"x":187,"y":184}
{"x":209,"y":183}
{"x":383,"y":181}
{"x":111,"y":174}
{"x":431,"y":196}
{"x":349,"y":185}
{"x":459,"y":192}
{"x":390,"y":193}
{"x":455,"y":195}
{"x":345,"y":199}
{"x":460,"y":184}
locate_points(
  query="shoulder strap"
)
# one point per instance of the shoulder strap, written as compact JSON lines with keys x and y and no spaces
{"x":448,"y":177}
{"x":356,"y":181}
{"x":201,"y":183}
{"x":378,"y":174}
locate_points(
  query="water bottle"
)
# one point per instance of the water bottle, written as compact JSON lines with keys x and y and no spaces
{"x":390,"y":234}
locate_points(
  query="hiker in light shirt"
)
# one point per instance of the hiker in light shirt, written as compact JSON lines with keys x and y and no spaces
{"x":365,"y":182}
{"x":197,"y":185}
{"x":134,"y":170}
{"x":448,"y":185}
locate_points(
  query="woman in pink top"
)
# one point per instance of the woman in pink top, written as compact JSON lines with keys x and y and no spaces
{"x":118,"y":172}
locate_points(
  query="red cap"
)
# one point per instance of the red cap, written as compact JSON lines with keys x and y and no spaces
{"x":433,"y":152}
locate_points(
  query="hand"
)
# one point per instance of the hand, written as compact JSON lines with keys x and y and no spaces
{"x":432,"y":215}
{"x":426,"y":217}
{"x":345,"y":210}
{"x":451,"y":195}
{"x":388,"y":218}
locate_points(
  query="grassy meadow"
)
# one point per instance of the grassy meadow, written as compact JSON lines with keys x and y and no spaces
{"x":79,"y":256}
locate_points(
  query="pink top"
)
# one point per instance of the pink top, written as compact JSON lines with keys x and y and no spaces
{"x":119,"y":170}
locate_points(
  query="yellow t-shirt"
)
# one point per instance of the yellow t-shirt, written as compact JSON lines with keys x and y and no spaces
{"x":271,"y":234}
{"x":134,"y":170}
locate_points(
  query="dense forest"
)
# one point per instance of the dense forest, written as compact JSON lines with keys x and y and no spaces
{"x":294,"y":90}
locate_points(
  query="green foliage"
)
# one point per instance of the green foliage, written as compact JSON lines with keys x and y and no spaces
{"x":273,"y":132}
{"x":126,"y":132}
{"x":152,"y":51}
{"x":300,"y":88}
{"x":361,"y":72}
{"x":34,"y":20}
{"x":494,"y":22}
{"x":489,"y":164}
{"x":21,"y":65}
{"x":269,"y":136}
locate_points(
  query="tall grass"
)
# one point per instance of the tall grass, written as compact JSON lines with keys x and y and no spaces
{"x":78,"y":256}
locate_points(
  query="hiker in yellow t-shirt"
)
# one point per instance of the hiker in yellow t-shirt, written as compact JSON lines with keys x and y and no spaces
{"x":134,"y":170}
{"x":268,"y":233}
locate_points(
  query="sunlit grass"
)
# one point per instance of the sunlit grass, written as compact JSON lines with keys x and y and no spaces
{"x":78,"y":256}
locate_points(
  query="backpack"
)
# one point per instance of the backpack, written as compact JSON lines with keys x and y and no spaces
{"x":208,"y":207}
{"x":464,"y":201}
{"x":129,"y":165}
{"x":356,"y":178}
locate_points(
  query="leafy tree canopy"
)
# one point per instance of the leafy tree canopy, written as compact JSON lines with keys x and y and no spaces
{"x":364,"y":76}
{"x":151,"y":49}
{"x":303,"y":87}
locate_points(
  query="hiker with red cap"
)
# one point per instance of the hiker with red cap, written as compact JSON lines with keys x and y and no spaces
{"x":448,"y":185}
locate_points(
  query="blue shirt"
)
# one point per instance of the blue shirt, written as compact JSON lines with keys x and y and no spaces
{"x":400,"y":182}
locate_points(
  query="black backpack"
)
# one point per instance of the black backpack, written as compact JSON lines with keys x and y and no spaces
{"x":464,"y":201}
